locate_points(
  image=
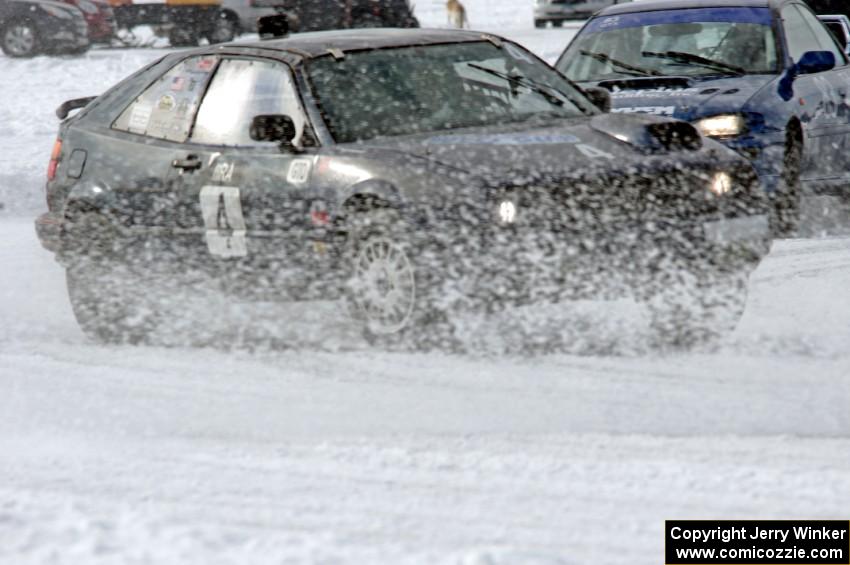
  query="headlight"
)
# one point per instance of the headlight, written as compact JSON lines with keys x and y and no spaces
{"x":721,"y":126}
{"x":56,"y":12}
{"x":721,"y":183}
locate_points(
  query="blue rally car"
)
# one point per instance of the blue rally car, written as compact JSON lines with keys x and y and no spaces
{"x":765,"y":77}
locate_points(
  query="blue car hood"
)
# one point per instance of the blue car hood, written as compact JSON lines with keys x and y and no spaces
{"x":685,"y":98}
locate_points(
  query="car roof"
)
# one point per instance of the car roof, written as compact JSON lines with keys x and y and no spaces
{"x":656,"y":5}
{"x":316,"y":44}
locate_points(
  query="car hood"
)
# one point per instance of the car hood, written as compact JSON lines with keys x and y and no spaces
{"x":606,"y":140}
{"x":684,"y":98}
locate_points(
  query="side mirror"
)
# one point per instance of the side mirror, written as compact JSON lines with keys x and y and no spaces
{"x":274,"y":26}
{"x":599,"y":97}
{"x":273,"y":127}
{"x":815,"y":62}
{"x":811,"y":62}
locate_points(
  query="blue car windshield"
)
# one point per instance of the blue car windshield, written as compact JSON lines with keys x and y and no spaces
{"x":687,"y":42}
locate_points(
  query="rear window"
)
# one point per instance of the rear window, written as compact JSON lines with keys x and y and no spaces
{"x":165,"y":109}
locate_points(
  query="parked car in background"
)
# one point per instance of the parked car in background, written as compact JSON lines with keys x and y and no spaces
{"x":321,"y":15}
{"x":245,"y":13}
{"x":99,"y":18}
{"x":31,"y":27}
{"x":185,"y":22}
{"x":764,"y":77}
{"x":556,"y":12}
{"x":839,"y":26}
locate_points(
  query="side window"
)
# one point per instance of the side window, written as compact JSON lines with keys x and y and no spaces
{"x":798,"y":34}
{"x":837,"y":30}
{"x":825,"y":39}
{"x":240,"y":90}
{"x":166,"y":108}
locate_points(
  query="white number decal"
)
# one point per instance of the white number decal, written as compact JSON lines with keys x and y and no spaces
{"x":221,"y":207}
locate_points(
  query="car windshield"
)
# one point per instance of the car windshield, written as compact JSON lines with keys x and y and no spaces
{"x":410,"y":90}
{"x":691,"y":42}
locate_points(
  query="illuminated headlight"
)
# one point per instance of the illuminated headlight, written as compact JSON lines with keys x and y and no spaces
{"x":507,"y":211}
{"x":721,"y":126}
{"x":721,"y":183}
{"x":56,"y":12}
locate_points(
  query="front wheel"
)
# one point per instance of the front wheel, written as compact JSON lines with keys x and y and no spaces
{"x":393,"y":284}
{"x":699,"y":308}
{"x":20,"y":39}
{"x":787,"y":201}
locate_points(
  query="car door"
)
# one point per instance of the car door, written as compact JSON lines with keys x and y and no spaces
{"x":837,"y":167}
{"x":253,"y":198}
{"x":148,"y":143}
{"x":816,"y":97}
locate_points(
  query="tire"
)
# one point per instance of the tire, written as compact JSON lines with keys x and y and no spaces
{"x":698,"y":310}
{"x":77,"y":50}
{"x":785,"y":219}
{"x":366,"y":20}
{"x":20,"y":39}
{"x":539,"y":23}
{"x":109,"y":304}
{"x":180,"y":37}
{"x":393,"y":285}
{"x":224,"y":29}
{"x":557,"y":23}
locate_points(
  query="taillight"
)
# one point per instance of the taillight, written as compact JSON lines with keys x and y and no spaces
{"x":54,"y":159}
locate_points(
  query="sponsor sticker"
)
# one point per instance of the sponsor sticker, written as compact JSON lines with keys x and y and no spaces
{"x":140,"y":117}
{"x":299,"y":171}
{"x":166,"y":103}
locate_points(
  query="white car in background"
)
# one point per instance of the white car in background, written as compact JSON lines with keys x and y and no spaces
{"x":244,"y":14}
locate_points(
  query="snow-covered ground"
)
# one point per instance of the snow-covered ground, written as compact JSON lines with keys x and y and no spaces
{"x":335,"y":453}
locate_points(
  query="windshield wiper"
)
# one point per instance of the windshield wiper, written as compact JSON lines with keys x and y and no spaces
{"x":542,"y":90}
{"x":682,"y":57}
{"x":630,"y":69}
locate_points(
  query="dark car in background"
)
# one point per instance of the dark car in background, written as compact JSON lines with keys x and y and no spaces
{"x":184,"y":22}
{"x":321,"y":15}
{"x":32,"y":27}
{"x":414,"y":174}
{"x":99,"y":18}
{"x":556,"y":12}
{"x":764,"y":77}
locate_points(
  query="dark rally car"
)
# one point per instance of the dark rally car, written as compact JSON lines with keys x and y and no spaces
{"x":414,"y":174}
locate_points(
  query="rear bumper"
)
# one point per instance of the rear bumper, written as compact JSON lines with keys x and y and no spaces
{"x":48,"y":227}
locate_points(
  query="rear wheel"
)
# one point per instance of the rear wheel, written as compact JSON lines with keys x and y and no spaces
{"x":539,"y":23}
{"x":20,"y":39}
{"x":109,"y":304}
{"x":366,"y":20}
{"x":786,"y":209}
{"x":183,"y":37}
{"x":393,"y":285}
